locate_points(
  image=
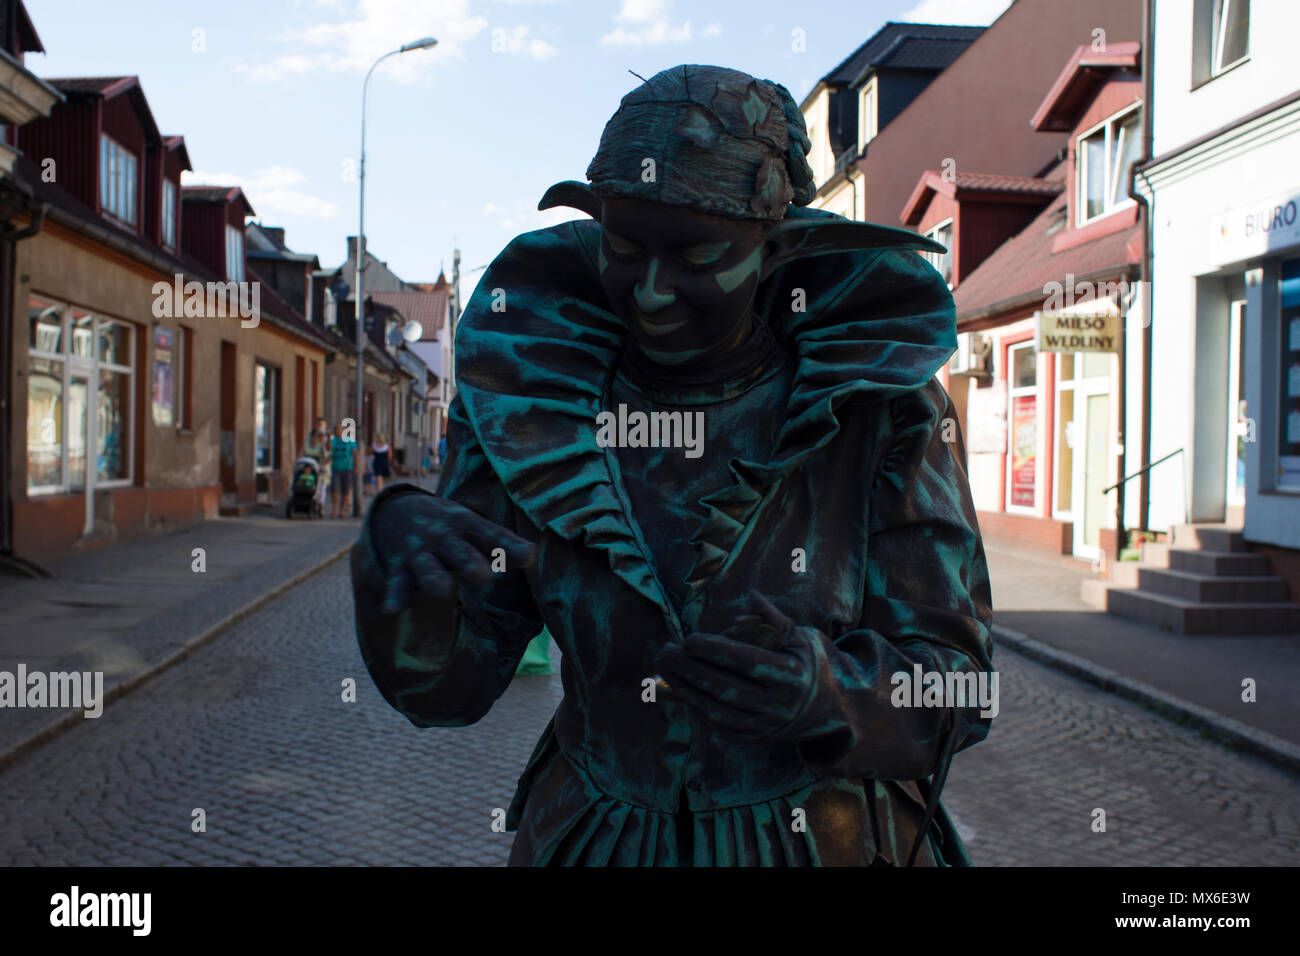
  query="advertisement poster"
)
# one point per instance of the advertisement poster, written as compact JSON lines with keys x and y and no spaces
{"x":1024,"y":450}
{"x":163,"y":379}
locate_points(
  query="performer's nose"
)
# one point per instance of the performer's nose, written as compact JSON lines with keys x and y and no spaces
{"x":648,"y":299}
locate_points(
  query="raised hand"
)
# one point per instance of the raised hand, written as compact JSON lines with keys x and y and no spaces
{"x":430,"y":544}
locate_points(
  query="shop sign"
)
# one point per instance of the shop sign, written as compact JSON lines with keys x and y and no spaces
{"x":1077,"y":331}
{"x":1259,"y":227}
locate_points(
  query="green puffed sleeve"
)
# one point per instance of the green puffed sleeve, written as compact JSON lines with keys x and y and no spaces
{"x":438,"y":663}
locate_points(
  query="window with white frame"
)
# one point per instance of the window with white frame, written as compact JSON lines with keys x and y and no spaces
{"x":234,"y":254}
{"x":117,"y":180}
{"x":169,"y":214}
{"x":867,"y":115}
{"x":80,"y":382}
{"x":1220,"y":37}
{"x":266,"y":417}
{"x":1103,"y":156}
{"x":942,"y":261}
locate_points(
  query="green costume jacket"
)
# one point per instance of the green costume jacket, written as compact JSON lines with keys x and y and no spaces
{"x":867,"y":477}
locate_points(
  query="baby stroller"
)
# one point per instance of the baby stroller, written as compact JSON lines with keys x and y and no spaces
{"x":303,"y":496}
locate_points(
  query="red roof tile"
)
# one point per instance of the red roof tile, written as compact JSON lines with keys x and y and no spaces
{"x":1022,"y":266}
{"x":427,"y":308}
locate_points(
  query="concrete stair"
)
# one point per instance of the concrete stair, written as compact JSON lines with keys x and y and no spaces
{"x":239,"y":509}
{"x":1204,"y":581}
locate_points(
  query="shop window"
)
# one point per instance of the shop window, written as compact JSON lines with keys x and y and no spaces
{"x":163,"y":384}
{"x":80,"y":382}
{"x":1220,"y":37}
{"x":266,"y":414}
{"x":1102,"y":160}
{"x":1022,"y":425}
{"x":1289,"y":379}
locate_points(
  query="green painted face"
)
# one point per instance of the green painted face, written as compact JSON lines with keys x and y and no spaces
{"x":682,"y":281}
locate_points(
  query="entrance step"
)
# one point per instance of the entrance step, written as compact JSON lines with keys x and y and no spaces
{"x":239,"y":509}
{"x":1198,"y":587}
{"x":1204,"y":580}
{"x":1183,"y":616}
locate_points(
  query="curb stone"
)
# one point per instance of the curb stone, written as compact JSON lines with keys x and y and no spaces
{"x":48,"y":733}
{"x":1223,"y":730}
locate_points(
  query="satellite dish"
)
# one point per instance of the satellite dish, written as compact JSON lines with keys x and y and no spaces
{"x":413,"y":331}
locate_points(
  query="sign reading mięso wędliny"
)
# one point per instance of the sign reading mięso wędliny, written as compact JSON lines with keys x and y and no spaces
{"x":626,"y":429}
{"x":23,"y":688}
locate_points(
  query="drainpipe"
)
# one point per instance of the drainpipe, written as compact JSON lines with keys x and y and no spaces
{"x":1148,"y":223}
{"x":9,"y":240}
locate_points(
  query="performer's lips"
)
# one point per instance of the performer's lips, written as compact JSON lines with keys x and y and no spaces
{"x":655,"y":328}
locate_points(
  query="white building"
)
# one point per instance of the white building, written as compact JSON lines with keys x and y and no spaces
{"x":1223,"y":188}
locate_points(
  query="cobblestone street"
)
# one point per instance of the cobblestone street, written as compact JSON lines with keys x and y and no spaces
{"x":253,"y":730}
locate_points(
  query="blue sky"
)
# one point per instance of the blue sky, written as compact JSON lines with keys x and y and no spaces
{"x":462,"y":139}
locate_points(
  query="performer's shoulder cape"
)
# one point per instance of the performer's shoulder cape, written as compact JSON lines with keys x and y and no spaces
{"x":866,"y":317}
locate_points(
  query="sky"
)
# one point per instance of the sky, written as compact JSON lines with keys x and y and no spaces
{"x":462,"y":139}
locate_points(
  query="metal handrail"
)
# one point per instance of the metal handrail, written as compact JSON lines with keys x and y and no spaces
{"x":1141,"y":471}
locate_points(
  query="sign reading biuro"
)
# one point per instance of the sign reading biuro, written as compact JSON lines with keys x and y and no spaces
{"x":1077,"y":332}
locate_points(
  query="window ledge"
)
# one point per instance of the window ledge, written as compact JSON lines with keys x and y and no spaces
{"x":1117,"y":221}
{"x":1224,"y":72}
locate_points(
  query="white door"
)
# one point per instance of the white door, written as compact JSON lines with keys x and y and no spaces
{"x":1091,"y":454}
{"x":82,"y":442}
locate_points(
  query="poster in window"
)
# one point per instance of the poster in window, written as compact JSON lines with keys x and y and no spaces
{"x":1024,"y":449}
{"x":163,"y":377}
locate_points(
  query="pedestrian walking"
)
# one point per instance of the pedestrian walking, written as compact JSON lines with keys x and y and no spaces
{"x":343,"y":465}
{"x":379,"y":463}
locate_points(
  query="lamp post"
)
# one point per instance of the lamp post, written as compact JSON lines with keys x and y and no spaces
{"x":361,"y":258}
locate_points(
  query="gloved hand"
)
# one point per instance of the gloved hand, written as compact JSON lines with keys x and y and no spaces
{"x":754,"y":680}
{"x":429,"y":544}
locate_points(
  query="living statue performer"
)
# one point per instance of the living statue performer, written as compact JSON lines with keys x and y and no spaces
{"x":699,"y":438}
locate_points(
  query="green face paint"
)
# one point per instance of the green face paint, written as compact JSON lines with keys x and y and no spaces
{"x":734,"y":277}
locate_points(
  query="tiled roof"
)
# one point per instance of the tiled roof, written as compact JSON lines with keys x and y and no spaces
{"x":1023,"y":265}
{"x":884,"y":41}
{"x":996,"y":182}
{"x":932,"y":181}
{"x":427,"y":308}
{"x":922,"y":53}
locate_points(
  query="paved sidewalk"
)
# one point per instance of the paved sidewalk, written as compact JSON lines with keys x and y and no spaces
{"x":135,"y":608}
{"x":1194,"y":678}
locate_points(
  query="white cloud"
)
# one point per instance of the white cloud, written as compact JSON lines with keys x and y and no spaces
{"x":517,"y":42}
{"x":647,"y":23}
{"x":966,"y":12}
{"x":523,"y":216}
{"x":269,"y":191}
{"x":352,"y":44}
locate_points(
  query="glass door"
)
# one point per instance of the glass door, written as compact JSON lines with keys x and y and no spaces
{"x":81,"y":440}
{"x":1237,"y":425}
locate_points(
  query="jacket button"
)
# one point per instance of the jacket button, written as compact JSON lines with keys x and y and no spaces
{"x":694,"y":786}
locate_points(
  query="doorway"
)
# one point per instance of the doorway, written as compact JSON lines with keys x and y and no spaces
{"x":1238,"y":425}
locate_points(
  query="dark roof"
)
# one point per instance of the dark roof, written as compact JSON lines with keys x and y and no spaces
{"x":898,"y":40}
{"x":178,"y":142}
{"x":1021,"y":267}
{"x":91,"y":84}
{"x":217,"y":194}
{"x":109,"y":87}
{"x":28,"y":41}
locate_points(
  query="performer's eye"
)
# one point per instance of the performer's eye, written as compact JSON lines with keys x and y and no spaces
{"x":706,"y":254}
{"x":621,"y":246}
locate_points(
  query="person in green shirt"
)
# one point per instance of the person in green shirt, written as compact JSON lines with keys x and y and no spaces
{"x":343,"y":456}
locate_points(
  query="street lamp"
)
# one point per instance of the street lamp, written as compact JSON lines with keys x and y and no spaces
{"x":361,"y":254}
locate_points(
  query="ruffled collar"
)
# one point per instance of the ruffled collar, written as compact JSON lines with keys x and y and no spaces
{"x":537,"y":345}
